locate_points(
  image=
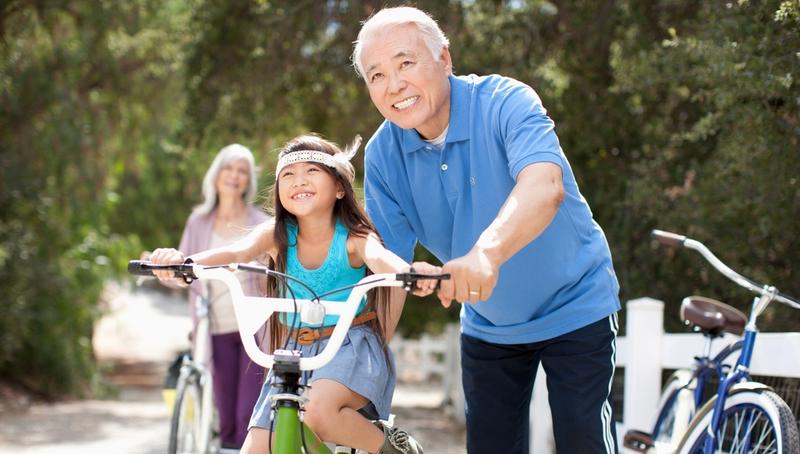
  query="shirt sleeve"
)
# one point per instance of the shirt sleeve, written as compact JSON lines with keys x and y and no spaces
{"x":528,"y":132}
{"x":387,"y":215}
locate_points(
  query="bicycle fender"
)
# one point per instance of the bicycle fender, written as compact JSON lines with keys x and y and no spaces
{"x":709,"y":405}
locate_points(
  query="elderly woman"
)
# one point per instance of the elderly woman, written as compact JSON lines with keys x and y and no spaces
{"x":226,"y":215}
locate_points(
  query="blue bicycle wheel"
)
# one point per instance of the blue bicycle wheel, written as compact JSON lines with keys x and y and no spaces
{"x":754,"y":421}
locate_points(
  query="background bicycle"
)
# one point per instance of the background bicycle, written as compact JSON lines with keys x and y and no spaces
{"x":744,"y":415}
{"x":687,"y":389}
{"x":194,"y":417}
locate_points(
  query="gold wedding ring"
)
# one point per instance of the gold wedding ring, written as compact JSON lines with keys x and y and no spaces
{"x":473,"y":292}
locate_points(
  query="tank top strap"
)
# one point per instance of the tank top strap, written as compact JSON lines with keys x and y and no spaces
{"x":338,"y":249}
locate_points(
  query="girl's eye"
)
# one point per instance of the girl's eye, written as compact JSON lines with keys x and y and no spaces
{"x":286,"y":174}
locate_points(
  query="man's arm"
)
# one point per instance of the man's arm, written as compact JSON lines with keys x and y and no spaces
{"x":528,"y":210}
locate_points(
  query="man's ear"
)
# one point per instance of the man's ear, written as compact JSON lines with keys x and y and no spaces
{"x":445,"y":59}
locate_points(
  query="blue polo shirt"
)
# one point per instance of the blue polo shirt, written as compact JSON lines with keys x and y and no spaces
{"x":445,"y":199}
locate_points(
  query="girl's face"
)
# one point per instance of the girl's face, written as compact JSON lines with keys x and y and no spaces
{"x":305,"y":189}
{"x":233,"y":179}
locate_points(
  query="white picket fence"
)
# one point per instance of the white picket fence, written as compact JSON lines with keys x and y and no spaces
{"x":644,"y":353}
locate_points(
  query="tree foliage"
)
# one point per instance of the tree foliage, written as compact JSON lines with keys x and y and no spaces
{"x":679,"y":115}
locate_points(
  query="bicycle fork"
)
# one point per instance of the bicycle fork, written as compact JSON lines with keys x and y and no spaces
{"x":739,"y":372}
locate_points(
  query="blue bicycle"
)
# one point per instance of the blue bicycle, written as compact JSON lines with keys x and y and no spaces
{"x":743,"y":416}
{"x":687,"y":389}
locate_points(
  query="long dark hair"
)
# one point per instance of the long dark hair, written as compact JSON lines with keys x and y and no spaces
{"x":349,"y":212}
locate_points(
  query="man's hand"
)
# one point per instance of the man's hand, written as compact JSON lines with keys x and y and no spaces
{"x":472,"y":278}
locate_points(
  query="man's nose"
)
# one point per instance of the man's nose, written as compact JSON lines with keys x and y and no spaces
{"x":396,"y":83}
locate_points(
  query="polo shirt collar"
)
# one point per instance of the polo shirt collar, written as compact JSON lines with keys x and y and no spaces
{"x":459,"y":124}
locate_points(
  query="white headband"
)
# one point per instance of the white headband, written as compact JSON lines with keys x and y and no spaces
{"x":339,"y":161}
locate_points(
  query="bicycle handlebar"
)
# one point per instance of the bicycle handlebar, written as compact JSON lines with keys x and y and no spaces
{"x":145,"y":268}
{"x":252,"y":311}
{"x":676,"y":240}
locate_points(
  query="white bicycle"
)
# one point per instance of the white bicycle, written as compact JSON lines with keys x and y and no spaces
{"x":291,"y":435}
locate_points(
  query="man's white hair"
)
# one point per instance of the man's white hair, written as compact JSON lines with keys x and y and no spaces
{"x":387,"y":18}
{"x":228,"y":154}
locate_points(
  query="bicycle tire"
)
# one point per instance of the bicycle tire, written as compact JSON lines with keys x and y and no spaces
{"x":676,"y":410}
{"x":185,"y":425}
{"x":753,"y":413}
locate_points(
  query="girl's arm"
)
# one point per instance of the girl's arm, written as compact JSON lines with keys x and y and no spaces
{"x":381,"y":260}
{"x":371,"y":251}
{"x":252,"y":246}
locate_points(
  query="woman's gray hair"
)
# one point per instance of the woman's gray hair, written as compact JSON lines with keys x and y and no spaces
{"x":433,"y":36}
{"x":226,"y":155}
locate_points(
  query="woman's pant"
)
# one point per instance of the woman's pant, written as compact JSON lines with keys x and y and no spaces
{"x":237,"y":382}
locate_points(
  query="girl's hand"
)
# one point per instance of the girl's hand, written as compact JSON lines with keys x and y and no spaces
{"x":427,"y":286}
{"x":167,"y":256}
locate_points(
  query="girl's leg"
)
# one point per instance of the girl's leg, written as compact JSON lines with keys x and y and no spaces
{"x":332,"y":413}
{"x":256,"y":441}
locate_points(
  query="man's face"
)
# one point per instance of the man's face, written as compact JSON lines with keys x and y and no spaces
{"x":406,"y":84}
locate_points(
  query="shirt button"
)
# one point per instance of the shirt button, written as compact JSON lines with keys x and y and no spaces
{"x":444,"y":167}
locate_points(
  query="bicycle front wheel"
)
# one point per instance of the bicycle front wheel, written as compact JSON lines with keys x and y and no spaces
{"x":753,"y":421}
{"x":185,"y":435}
{"x":676,"y":410}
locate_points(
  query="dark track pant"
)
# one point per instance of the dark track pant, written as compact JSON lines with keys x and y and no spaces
{"x":498,"y":381}
{"x":237,"y":383}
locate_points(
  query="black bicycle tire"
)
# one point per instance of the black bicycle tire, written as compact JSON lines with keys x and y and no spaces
{"x":183,"y":387}
{"x":786,"y":422}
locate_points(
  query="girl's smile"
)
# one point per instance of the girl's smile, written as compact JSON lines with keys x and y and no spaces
{"x":305,"y":188}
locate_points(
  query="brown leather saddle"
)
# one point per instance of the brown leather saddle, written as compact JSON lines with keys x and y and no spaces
{"x":712,"y":317}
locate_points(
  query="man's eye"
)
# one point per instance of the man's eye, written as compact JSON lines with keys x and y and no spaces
{"x":375,"y":77}
{"x":406,"y":63}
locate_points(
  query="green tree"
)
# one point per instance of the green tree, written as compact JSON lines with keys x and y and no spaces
{"x":715,"y":97}
{"x":80,"y":108}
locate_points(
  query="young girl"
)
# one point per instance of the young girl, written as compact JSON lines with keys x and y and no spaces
{"x":321,"y":235}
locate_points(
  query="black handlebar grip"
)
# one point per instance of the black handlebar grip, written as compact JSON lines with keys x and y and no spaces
{"x":669,"y":238}
{"x":139,"y":268}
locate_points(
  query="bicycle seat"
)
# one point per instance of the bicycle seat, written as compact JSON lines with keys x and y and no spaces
{"x":712,"y":317}
{"x":369,"y":411}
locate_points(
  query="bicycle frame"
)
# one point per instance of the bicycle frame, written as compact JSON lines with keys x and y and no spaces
{"x":741,"y":372}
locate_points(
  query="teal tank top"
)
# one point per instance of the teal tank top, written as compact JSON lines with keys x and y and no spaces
{"x":335,"y":272}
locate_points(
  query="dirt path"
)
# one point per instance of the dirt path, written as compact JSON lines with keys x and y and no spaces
{"x":135,"y":341}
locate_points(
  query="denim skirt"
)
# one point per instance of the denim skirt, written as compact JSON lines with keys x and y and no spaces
{"x":360,"y":365}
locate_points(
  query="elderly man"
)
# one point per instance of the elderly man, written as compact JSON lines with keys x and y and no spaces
{"x":471,"y":168}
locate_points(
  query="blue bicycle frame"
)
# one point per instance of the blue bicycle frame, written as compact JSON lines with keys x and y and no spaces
{"x":740,"y":373}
